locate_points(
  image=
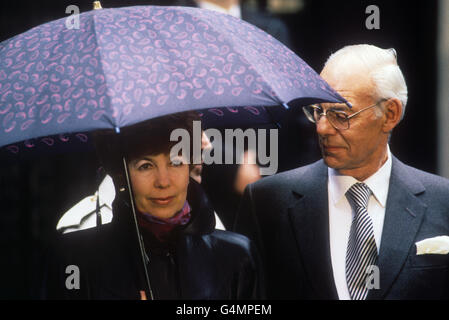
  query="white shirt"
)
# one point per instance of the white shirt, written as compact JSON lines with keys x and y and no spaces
{"x":233,"y":10}
{"x":341,"y":213}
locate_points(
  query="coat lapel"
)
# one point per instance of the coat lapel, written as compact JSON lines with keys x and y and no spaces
{"x":310,"y":222}
{"x":403,"y":216}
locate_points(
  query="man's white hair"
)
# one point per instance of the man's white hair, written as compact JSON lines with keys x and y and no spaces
{"x":379,"y":64}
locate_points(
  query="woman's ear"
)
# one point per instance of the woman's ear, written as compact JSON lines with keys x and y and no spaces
{"x":393,"y":114}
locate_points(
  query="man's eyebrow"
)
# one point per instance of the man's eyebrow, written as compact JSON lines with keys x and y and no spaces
{"x":342,"y":107}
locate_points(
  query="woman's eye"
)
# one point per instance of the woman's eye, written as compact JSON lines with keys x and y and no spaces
{"x":145,"y":166}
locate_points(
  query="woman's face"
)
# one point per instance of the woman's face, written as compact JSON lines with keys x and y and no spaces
{"x":159,"y":185}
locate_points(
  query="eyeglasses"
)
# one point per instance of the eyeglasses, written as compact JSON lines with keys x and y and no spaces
{"x":337,"y":118}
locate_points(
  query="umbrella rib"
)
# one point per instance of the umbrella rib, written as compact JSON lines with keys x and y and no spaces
{"x":107,"y":119}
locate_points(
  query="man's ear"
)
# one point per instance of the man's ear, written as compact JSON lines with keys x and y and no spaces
{"x":393,"y":114}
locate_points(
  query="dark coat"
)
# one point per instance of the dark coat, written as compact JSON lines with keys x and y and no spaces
{"x":287,"y":214}
{"x":197,"y":262}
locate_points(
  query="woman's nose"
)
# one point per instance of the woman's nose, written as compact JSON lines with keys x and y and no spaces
{"x":162,"y":178}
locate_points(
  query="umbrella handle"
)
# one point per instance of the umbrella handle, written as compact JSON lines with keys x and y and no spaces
{"x":143,"y":255}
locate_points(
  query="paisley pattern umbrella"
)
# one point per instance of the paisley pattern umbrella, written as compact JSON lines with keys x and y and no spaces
{"x":127,"y":65}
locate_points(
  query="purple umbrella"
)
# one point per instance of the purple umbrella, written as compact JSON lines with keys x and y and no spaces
{"x":126,"y":65}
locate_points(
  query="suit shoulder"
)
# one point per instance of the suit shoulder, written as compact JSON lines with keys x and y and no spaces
{"x":429,"y":179}
{"x":286,"y":178}
{"x":434,"y":187}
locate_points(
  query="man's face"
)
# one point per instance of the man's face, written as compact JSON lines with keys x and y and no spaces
{"x":159,"y":185}
{"x":360,"y":150}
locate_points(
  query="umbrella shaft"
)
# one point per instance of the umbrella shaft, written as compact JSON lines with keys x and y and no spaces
{"x":139,"y":238}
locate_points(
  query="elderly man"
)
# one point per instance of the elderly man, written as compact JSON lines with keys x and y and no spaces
{"x":358,"y":224}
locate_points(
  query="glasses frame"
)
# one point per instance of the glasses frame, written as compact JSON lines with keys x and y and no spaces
{"x":311,"y":118}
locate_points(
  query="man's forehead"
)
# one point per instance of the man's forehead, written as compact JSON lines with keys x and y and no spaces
{"x":356,"y":90}
{"x":346,"y":80}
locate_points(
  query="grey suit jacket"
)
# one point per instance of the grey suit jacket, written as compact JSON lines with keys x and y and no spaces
{"x":287,"y":216}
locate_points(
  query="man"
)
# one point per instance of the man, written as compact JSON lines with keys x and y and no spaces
{"x":350,"y":226}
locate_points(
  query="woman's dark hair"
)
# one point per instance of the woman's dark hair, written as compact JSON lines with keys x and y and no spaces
{"x":149,"y":137}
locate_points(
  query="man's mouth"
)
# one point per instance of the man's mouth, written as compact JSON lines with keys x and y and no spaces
{"x":332,"y":148}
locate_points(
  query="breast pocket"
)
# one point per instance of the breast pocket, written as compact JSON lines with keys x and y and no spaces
{"x":429,"y":261}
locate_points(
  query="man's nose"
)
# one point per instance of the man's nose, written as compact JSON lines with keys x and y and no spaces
{"x":324,"y":127}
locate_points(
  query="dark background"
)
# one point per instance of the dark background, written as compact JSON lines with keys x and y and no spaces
{"x":35,"y":191}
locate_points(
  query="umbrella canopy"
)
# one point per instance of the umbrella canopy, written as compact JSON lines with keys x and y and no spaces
{"x":126,"y":65}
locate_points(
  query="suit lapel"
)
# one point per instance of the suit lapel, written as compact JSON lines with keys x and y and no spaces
{"x":309,"y":217}
{"x":403,"y":217}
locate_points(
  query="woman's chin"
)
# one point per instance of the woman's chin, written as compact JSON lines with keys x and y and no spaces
{"x":162,"y":213}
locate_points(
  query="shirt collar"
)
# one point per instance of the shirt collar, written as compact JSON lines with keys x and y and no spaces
{"x":233,"y":10}
{"x":378,"y":182}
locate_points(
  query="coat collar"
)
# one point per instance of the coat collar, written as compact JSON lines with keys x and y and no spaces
{"x":309,"y":214}
{"x":203,"y":217}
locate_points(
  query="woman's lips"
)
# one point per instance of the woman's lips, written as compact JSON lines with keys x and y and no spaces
{"x":162,"y":201}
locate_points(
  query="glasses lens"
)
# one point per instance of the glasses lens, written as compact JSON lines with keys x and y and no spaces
{"x":309,"y":111}
{"x":338,"y":119}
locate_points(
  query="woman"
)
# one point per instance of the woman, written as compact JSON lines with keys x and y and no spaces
{"x":186,"y":257}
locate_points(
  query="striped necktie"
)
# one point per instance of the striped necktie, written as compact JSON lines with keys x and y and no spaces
{"x":362,"y":249}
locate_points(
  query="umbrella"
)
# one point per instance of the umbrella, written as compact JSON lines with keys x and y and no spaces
{"x":130,"y":64}
{"x":127,"y":65}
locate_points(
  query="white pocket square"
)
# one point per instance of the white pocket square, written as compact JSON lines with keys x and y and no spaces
{"x":436,"y":245}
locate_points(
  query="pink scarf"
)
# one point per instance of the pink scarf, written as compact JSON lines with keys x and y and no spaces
{"x":161,"y":227}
